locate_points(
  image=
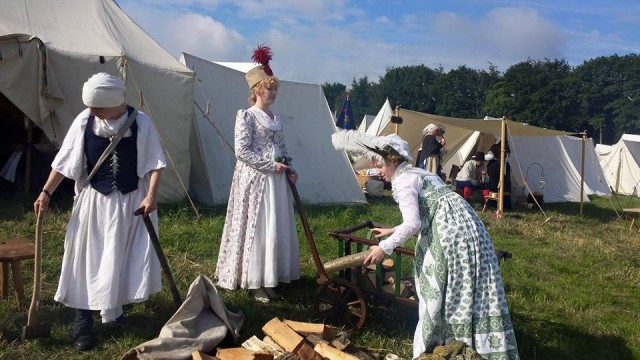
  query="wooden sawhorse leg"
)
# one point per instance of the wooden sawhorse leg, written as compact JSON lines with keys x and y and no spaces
{"x":4,"y":279}
{"x":17,"y":282}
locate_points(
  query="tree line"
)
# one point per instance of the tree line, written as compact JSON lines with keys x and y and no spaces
{"x":601,"y":96}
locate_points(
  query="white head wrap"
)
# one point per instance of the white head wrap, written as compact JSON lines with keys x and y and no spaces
{"x":103,"y":91}
{"x":429,"y":128}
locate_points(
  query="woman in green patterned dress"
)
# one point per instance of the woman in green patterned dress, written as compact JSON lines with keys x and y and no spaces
{"x":457,"y":276}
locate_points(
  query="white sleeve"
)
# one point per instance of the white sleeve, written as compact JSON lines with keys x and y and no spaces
{"x":150,"y":153}
{"x":69,"y":160}
{"x":406,"y":194}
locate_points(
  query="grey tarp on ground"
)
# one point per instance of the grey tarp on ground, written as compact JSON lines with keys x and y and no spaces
{"x":201,"y":323}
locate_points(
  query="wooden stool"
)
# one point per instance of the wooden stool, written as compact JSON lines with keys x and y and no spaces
{"x":493,"y":196}
{"x":13,"y":251}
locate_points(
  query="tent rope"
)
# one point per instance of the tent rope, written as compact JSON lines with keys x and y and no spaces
{"x":173,"y":166}
{"x":547,"y":218}
{"x":229,"y":150}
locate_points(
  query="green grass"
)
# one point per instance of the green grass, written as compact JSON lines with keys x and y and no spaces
{"x":573,"y":284}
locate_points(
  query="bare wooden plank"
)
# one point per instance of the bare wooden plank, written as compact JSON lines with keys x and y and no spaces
{"x":283,"y":335}
{"x":332,"y":353}
{"x":306,"y":328}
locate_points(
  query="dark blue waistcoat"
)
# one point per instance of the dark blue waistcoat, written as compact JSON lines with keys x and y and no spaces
{"x":119,"y":170}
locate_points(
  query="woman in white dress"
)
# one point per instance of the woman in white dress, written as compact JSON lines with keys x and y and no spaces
{"x":108,"y":257}
{"x":259,"y":246}
{"x":457,"y":276}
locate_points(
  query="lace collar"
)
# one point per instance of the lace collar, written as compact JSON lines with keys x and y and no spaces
{"x":265,"y":120}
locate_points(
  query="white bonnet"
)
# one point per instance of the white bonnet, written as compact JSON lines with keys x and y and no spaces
{"x":103,"y":91}
{"x":399,"y":145}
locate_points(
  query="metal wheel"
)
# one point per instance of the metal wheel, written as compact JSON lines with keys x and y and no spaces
{"x":340,"y":302}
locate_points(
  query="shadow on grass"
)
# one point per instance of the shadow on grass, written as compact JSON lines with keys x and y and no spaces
{"x":564,"y":342}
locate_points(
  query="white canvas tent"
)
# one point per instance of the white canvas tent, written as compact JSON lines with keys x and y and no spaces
{"x":50,"y":48}
{"x":621,"y":165}
{"x":558,"y":154}
{"x":366,"y":121}
{"x":325,"y":175}
{"x":382,"y":119}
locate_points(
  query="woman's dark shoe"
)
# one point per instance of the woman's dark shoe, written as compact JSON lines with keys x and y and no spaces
{"x":85,"y":342}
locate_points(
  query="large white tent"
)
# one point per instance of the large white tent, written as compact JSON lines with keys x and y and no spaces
{"x":621,"y":165}
{"x":366,"y":121}
{"x":536,"y":149}
{"x":382,"y":119}
{"x":49,"y":48}
{"x":325,"y":175}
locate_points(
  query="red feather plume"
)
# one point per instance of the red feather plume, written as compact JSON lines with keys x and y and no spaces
{"x":262,"y":55}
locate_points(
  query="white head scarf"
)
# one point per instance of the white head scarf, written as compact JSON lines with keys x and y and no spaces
{"x":429,"y":128}
{"x":103,"y":91}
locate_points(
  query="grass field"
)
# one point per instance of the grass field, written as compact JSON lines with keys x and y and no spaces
{"x":573,"y":284}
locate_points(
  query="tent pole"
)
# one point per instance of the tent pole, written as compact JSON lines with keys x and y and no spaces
{"x":27,"y":165}
{"x":584,"y":141}
{"x":395,"y":113}
{"x":503,"y":137}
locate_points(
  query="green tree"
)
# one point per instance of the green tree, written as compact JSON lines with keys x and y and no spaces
{"x":608,"y":93}
{"x":460,"y":92}
{"x":335,"y":95}
{"x":536,"y":92}
{"x":410,"y":87}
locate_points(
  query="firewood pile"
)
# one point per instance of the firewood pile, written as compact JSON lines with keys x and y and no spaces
{"x":293,"y":340}
{"x":407,"y":288}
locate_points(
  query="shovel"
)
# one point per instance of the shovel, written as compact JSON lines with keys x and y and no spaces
{"x":163,"y":259}
{"x":33,"y":329}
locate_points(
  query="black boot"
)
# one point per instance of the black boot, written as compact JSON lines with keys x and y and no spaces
{"x":84,"y":338}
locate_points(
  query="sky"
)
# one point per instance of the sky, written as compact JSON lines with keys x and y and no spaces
{"x":327,"y":41}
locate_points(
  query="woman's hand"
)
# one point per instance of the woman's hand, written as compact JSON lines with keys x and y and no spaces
{"x":375,"y":256}
{"x":149,"y":205}
{"x":382,"y":232}
{"x":280,"y":168}
{"x":41,"y":203}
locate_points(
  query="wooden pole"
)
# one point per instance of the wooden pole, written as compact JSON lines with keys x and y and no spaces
{"x":503,"y":151}
{"x":395,"y":113}
{"x":584,"y":142}
{"x":27,"y":162}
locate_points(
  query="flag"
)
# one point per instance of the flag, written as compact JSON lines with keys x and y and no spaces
{"x":345,"y":119}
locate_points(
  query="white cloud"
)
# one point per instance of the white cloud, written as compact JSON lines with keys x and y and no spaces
{"x":195,"y":34}
{"x":503,"y":36}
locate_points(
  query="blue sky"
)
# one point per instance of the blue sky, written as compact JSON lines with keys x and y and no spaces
{"x":322,"y":41}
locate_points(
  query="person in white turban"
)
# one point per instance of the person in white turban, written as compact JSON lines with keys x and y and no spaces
{"x":108,"y":257}
{"x":457,"y":276}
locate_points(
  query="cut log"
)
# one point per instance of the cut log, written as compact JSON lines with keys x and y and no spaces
{"x":387,"y":264}
{"x":331,"y":353}
{"x":283,"y":335}
{"x":269,"y":341}
{"x":306,"y":352}
{"x":305,"y":328}
{"x":197,"y":355}
{"x":241,"y":354}
{"x":405,"y":289}
{"x":255,"y":344}
{"x":346,"y":262}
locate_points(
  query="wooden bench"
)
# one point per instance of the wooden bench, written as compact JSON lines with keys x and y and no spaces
{"x":631,"y":214}
{"x":13,"y":251}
